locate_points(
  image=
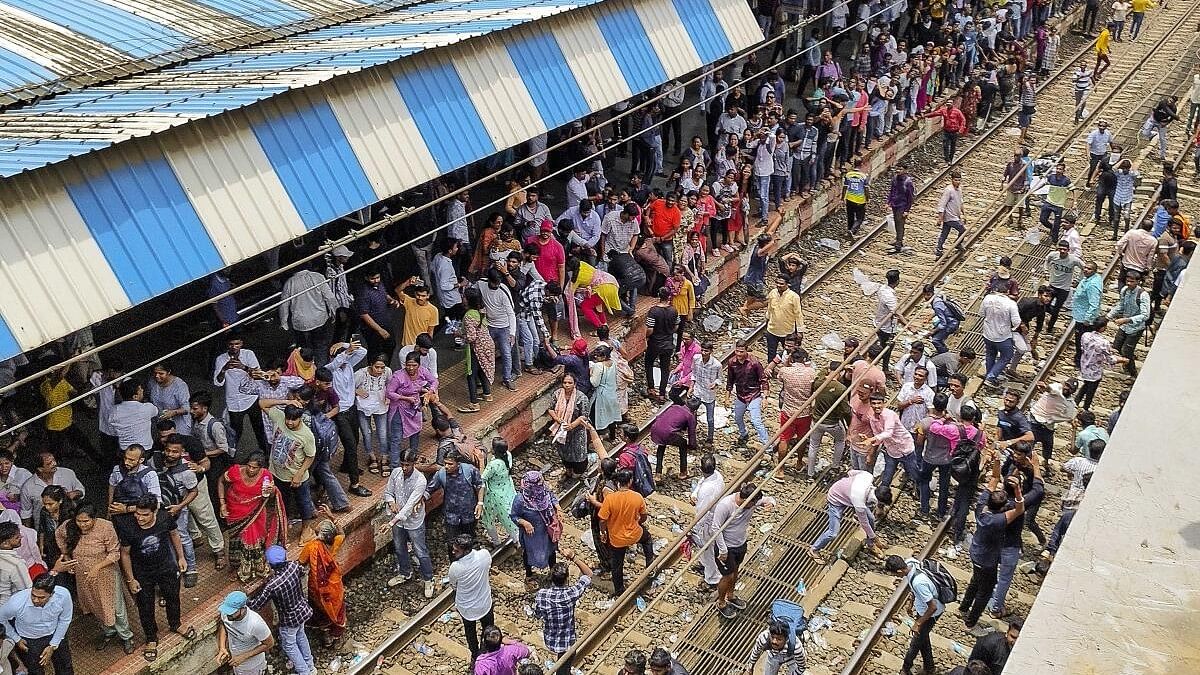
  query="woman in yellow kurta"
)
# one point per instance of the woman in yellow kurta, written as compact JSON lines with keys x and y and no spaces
{"x":601,"y":290}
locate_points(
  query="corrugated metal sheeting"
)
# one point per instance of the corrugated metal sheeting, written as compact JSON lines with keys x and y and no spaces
{"x":90,"y":236}
{"x":53,"y":46}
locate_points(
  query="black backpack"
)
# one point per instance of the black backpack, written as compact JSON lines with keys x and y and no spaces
{"x":947,"y":586}
{"x":172,"y":491}
{"x":964,"y":461}
{"x":643,"y":474}
{"x":131,"y":488}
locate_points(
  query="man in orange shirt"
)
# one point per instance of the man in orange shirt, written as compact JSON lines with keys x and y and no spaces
{"x":664,"y":217}
{"x":622,"y":516}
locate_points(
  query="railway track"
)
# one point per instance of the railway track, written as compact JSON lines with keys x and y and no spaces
{"x":421,"y":642}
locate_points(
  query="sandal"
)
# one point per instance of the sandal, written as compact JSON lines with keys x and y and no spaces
{"x":385,"y":470}
{"x":373,"y":467}
{"x":470,"y":408}
{"x":150,"y":653}
{"x":219,"y":560}
{"x":188,"y":635}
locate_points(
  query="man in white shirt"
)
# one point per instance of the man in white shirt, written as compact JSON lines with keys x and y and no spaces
{"x":445,"y":280}
{"x":231,"y":371}
{"x":47,"y":472}
{"x":308,"y":310}
{"x":886,"y":318}
{"x":1099,"y":142}
{"x":468,"y":576}
{"x":914,"y":399}
{"x":243,"y":638}
{"x":404,"y":497}
{"x":577,"y":186}
{"x":709,"y":490}
{"x":1000,"y":319}
{"x":950,"y":213}
{"x":344,"y":357}
{"x":502,"y":323}
{"x":132,"y":419}
{"x":915,"y":358}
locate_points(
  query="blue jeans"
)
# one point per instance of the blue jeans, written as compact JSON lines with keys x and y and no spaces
{"x":296,"y":500}
{"x":401,"y":538}
{"x":938,"y":338}
{"x":294,"y":643}
{"x":912,"y":466}
{"x":381,"y":432}
{"x":1135,"y":26}
{"x":781,"y":186}
{"x":943,"y":472}
{"x":323,"y":474}
{"x":1009,"y":557}
{"x":710,"y":409}
{"x":501,"y":336}
{"x":835,"y":512}
{"x":998,"y":355}
{"x":1044,"y":218}
{"x":739,"y":415}
{"x":397,"y":439}
{"x":189,"y":549}
{"x":527,"y":335}
{"x":764,"y":194}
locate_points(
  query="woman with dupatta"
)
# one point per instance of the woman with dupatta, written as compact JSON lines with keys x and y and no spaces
{"x":535,"y":511}
{"x":569,"y":431}
{"x":325,"y":590}
{"x":253,"y":510}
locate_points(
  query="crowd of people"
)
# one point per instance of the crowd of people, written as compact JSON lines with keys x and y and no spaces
{"x":359,"y":388}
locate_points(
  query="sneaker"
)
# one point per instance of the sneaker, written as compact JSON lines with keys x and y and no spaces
{"x":428,"y":590}
{"x":980,"y":630}
{"x":728,"y":612}
{"x":360,"y":491}
{"x":190,"y":579}
{"x":399,"y":579}
{"x":508,"y":384}
{"x":737,"y":602}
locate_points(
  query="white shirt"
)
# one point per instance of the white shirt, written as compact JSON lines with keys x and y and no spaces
{"x":16,"y":478}
{"x":576,"y":191}
{"x":1097,"y":141}
{"x":468,"y":577}
{"x":131,"y":422}
{"x":232,"y":380}
{"x":1074,"y":241}
{"x":375,"y":402}
{"x":342,"y":367}
{"x":31,"y":491}
{"x":245,"y":635}
{"x":1000,"y":317}
{"x":106,"y":398}
{"x":707,"y":493}
{"x":445,"y":279}
{"x":308,"y":301}
{"x":429,"y":361}
{"x":498,"y":306}
{"x":916,"y":412}
{"x":456,"y":218}
{"x":408,"y":493}
{"x":885,"y":317}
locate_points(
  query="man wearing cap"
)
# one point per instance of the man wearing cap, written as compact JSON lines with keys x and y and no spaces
{"x":307,"y":311}
{"x":243,"y":638}
{"x":1099,"y":142}
{"x":285,"y":588}
{"x":1003,"y":276}
{"x":1060,"y":269}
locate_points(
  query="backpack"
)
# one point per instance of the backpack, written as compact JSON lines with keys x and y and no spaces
{"x":792,"y":614}
{"x":231,"y":436}
{"x":643,"y":474}
{"x":964,"y":459}
{"x":131,"y":488}
{"x":954,"y":314}
{"x":325,"y":432}
{"x":172,"y":491}
{"x":947,"y":586}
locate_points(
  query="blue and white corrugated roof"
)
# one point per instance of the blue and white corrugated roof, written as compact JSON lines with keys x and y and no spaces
{"x":52,"y":46}
{"x":75,"y":123}
{"x":93,"y":234}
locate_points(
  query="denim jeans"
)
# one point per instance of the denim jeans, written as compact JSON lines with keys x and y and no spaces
{"x":964,"y":499}
{"x":296,"y":500}
{"x":943,"y":472}
{"x":912,"y":466}
{"x":938,"y":339}
{"x":323,"y":474}
{"x":1060,"y":530}
{"x":997,"y":357}
{"x":763,"y":184}
{"x":1009,"y":557}
{"x":837,"y":431}
{"x":527,"y":336}
{"x":710,"y":410}
{"x":781,"y":186}
{"x":739,"y":415}
{"x":401,"y":538}
{"x":397,"y":440}
{"x":1048,"y":211}
{"x":946,"y":227}
{"x":189,"y":550}
{"x":381,"y":432}
{"x":294,"y":643}
{"x":1135,"y":26}
{"x":501,"y":336}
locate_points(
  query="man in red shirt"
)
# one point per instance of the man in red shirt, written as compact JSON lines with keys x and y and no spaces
{"x":953,"y":125}
{"x":664,"y":217}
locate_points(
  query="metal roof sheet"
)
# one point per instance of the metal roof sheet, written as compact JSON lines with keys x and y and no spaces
{"x":46,"y":132}
{"x":52,"y":46}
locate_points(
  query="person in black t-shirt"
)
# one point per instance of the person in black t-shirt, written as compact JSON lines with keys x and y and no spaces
{"x":152,"y":560}
{"x":661,"y":324}
{"x":202,"y":517}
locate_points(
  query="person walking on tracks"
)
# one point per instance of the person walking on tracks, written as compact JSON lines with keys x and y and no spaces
{"x":856,"y":491}
{"x":950,"y":213}
{"x":900,"y":200}
{"x":925,"y":605}
{"x":994,"y":512}
{"x":730,"y":523}
{"x":855,"y":189}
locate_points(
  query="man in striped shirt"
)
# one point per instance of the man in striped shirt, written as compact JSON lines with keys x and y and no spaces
{"x":785,"y":654}
{"x":706,"y":370}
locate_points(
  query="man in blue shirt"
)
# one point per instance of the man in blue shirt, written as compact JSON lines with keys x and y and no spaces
{"x":1085,"y":307}
{"x":925,"y":605}
{"x":37,"y":619}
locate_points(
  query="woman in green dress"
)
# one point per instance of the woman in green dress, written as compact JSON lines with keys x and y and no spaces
{"x":498,"y":492}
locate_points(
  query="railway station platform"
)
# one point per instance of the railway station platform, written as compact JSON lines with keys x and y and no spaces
{"x":1123,"y":595}
{"x":518,"y":416}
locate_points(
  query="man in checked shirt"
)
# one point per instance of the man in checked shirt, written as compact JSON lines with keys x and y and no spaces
{"x":555,"y":606}
{"x":284,"y":588}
